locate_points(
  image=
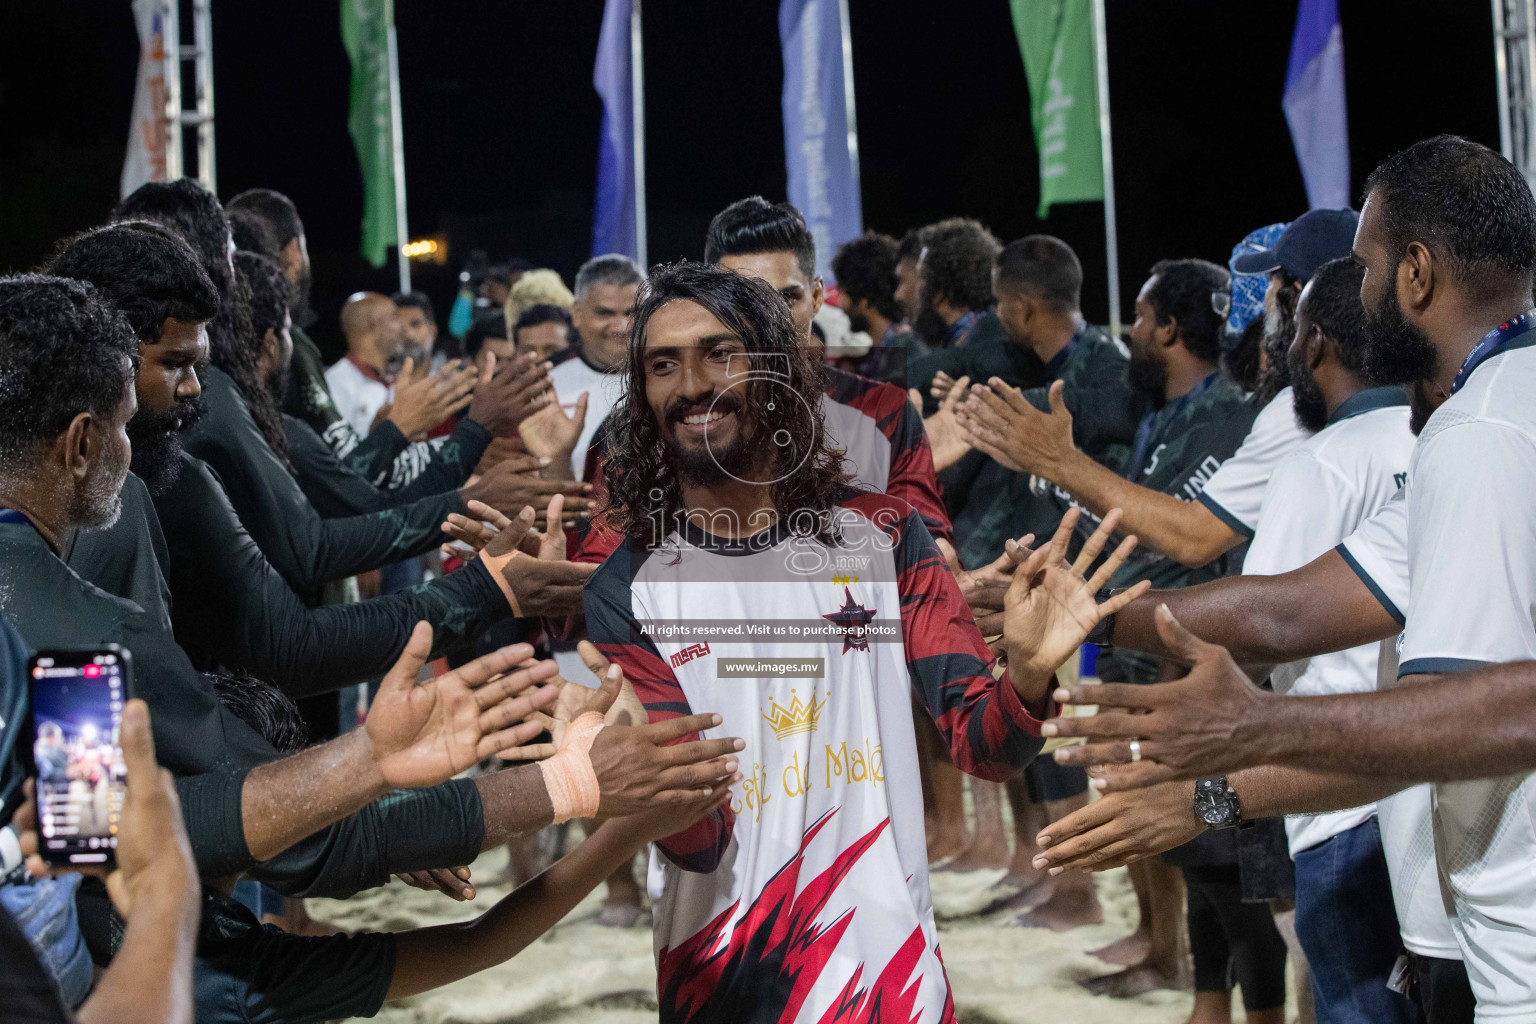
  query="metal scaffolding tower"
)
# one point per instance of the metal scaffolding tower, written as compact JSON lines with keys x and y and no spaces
{"x":1514,"y":54}
{"x":177,"y":112}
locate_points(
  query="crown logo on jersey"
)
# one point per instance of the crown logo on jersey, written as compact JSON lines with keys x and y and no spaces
{"x":852,"y":620}
{"x":844,"y":580}
{"x":799,"y":717}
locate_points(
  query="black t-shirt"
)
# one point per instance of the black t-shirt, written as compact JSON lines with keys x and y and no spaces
{"x":252,"y":973}
{"x":27,"y":992}
{"x":302,"y":545}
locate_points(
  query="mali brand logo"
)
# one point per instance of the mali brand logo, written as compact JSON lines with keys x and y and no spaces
{"x":687,"y":654}
{"x":799,"y":717}
{"x":852,"y":620}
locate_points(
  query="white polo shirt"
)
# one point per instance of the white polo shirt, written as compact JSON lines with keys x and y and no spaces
{"x":1378,"y":553}
{"x":358,"y":394}
{"x":1472,"y":565}
{"x":1317,"y":496}
{"x":570,"y":379}
{"x":1236,"y":492}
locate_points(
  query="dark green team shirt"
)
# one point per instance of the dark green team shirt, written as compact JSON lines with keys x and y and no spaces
{"x":305,"y":547}
{"x":130,"y":558}
{"x":309,"y":398}
{"x":991,"y":503}
{"x":987,"y":353}
{"x":336,"y":490}
{"x":252,"y":973}
{"x":233,"y":608}
{"x":211,"y":751}
{"x":1176,"y":450}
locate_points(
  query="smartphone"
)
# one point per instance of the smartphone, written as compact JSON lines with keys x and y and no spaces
{"x":77,"y":715}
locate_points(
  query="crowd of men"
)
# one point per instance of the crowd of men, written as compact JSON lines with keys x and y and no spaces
{"x":796,"y":586}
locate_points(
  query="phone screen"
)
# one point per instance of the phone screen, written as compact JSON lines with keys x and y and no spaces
{"x":77,"y":711}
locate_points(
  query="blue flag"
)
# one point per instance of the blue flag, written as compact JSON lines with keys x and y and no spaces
{"x":818,"y":148}
{"x":1314,"y":104}
{"x":613,"y":215}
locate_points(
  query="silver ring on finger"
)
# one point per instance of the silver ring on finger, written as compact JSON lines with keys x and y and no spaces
{"x":1135,"y":751}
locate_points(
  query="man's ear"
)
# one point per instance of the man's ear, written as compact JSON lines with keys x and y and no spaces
{"x":1416,"y":277}
{"x":1317,"y":348}
{"x":1166,"y":335}
{"x":78,"y":447}
{"x":818,"y":294}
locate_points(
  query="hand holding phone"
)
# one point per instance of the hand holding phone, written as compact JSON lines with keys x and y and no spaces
{"x":77,"y":713}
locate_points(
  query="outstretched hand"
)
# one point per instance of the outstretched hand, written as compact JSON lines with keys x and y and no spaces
{"x":986,"y":589}
{"x":1000,"y":421}
{"x":945,"y":437}
{"x":425,"y":733}
{"x":1211,"y":722}
{"x":1051,"y":608}
{"x":552,"y":434}
{"x":1120,"y":828}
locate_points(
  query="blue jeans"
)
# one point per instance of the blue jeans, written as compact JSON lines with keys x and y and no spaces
{"x":45,"y":912}
{"x":1348,"y":928}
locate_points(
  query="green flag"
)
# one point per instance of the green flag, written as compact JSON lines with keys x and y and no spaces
{"x":1056,"y":41}
{"x":365,"y":26}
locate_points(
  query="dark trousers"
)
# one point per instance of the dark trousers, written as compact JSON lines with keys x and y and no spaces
{"x":1441,"y":990}
{"x":1348,"y":927}
{"x":1233,"y":942}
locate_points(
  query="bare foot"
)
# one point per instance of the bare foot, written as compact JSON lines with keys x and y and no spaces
{"x":1133,"y":981}
{"x":620,"y":915}
{"x":946,"y":842}
{"x":982,"y":856}
{"x":1129,"y":951}
{"x":1068,"y":908}
{"x":1028,"y":897}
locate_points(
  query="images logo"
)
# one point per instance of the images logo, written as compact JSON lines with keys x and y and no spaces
{"x":799,"y":717}
{"x":687,"y":654}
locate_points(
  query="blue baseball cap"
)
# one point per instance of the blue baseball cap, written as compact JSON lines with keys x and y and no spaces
{"x":1247,"y":302}
{"x":1312,"y":239}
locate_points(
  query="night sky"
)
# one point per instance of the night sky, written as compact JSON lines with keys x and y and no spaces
{"x":501,"y":121}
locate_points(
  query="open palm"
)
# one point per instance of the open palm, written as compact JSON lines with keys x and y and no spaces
{"x":423,"y":734}
{"x":1050,"y":607}
{"x":615,"y":698}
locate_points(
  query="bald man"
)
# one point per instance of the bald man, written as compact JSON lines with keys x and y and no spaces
{"x":358,"y":381}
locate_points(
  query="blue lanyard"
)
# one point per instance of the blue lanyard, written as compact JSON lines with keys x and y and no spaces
{"x":1494,"y":342}
{"x":1144,"y":440}
{"x":13,"y":518}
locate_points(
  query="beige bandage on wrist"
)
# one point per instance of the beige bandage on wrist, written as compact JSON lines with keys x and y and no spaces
{"x":494,"y":564}
{"x":568,"y":775}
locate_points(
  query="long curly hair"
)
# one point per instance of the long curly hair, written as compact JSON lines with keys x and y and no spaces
{"x":645,"y":498}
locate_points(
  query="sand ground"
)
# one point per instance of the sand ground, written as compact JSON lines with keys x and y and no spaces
{"x":584,"y":974}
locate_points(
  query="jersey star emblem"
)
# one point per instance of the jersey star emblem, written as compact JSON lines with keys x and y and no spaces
{"x":852,"y":620}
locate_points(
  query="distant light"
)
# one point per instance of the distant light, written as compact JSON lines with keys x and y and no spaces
{"x":420,"y":248}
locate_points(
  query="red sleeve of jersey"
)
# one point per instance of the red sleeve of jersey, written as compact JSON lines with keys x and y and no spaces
{"x":912,"y":478}
{"x":989,"y":731}
{"x":612,"y":628}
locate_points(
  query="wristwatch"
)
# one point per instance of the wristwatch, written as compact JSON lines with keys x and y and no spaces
{"x":1104,"y":629}
{"x":1216,"y":803}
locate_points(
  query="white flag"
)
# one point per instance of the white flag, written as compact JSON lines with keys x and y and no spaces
{"x":145,"y":160}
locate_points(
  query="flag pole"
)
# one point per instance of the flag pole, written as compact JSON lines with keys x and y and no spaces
{"x":637,"y":126}
{"x":1107,"y":158}
{"x":397,"y":144}
{"x":853,"y":123}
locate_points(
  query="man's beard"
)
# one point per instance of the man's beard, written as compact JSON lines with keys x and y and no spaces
{"x":100,"y":502}
{"x":276,"y":383}
{"x":928,"y":325}
{"x":1147,"y":375}
{"x":157,"y":443}
{"x":302,"y":315}
{"x":1306,"y":394}
{"x":1396,"y":351}
{"x":1421,"y":405}
{"x":858,"y":322}
{"x":713,"y":464}
{"x":1279,"y":331}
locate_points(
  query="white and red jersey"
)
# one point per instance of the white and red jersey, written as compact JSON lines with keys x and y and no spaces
{"x":808,"y":900}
